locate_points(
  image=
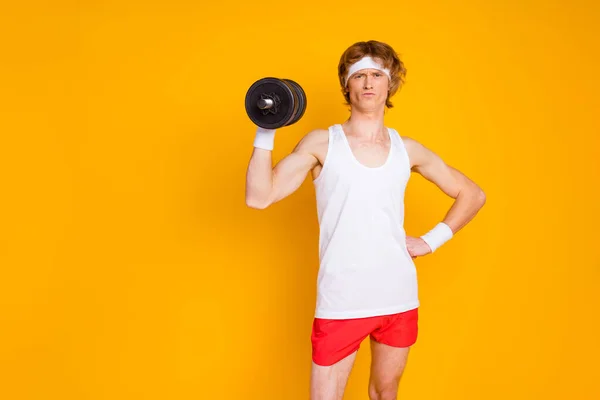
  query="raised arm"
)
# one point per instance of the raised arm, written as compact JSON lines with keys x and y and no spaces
{"x":266,"y":185}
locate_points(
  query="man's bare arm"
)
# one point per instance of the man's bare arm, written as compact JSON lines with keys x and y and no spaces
{"x":266,"y":185}
{"x":469,"y":197}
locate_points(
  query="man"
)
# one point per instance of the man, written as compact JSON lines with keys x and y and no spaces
{"x":367,"y":283}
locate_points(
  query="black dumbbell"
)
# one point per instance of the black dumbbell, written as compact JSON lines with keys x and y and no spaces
{"x":272,"y":103}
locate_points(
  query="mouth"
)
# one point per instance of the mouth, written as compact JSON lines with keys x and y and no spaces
{"x":368,"y":94}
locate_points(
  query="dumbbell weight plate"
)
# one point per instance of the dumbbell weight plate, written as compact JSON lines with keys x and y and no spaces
{"x":301,"y":97}
{"x":274,"y":117}
{"x":296,"y":100}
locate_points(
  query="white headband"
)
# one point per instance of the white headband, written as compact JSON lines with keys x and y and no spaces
{"x":364,"y":63}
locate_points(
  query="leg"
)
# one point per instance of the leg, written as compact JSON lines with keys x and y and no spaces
{"x":387,"y":366}
{"x":390,"y":346}
{"x":329,"y":382}
{"x":335,"y":344}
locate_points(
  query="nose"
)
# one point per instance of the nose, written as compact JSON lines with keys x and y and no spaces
{"x":368,"y":82}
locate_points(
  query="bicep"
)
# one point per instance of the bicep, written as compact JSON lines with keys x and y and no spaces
{"x":433,"y":168}
{"x":290,"y":172}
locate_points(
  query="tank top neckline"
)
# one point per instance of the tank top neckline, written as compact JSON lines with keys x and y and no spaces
{"x":355,"y":160}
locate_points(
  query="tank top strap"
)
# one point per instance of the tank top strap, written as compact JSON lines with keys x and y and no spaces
{"x":396,"y":140}
{"x":334,"y":154}
{"x":335,"y":133}
{"x":337,"y":144}
{"x":399,"y":146}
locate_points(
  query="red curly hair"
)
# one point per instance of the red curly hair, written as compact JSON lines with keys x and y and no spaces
{"x":385,"y":54}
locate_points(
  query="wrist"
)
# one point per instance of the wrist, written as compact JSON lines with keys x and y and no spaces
{"x":265,"y":138}
{"x":439,"y":235}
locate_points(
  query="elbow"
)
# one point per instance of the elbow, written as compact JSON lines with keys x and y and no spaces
{"x":474,"y":195}
{"x":481,"y":198}
{"x":256,"y":204}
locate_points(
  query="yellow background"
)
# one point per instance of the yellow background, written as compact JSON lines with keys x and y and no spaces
{"x":132,"y":269}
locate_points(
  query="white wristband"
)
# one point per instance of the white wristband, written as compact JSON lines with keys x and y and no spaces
{"x":439,"y":235}
{"x":265,"y":138}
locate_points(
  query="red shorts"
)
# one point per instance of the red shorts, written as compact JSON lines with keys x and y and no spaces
{"x":335,"y":339}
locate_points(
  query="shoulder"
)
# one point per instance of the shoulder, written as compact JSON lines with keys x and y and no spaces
{"x":406,"y":140}
{"x":313,"y":140}
{"x":412,"y":144}
{"x":317,"y":135}
{"x":409,"y":141}
{"x":418,"y":153}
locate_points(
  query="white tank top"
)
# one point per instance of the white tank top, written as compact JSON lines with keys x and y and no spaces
{"x":365,"y":268}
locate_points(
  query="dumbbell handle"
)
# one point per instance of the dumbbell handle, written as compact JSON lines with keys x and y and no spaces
{"x":264,"y":104}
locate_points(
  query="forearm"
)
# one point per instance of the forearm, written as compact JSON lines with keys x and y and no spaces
{"x":259,"y":178}
{"x":466,"y":205}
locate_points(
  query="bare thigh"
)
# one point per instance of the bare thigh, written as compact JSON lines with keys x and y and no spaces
{"x":329,"y":382}
{"x":387,"y":366}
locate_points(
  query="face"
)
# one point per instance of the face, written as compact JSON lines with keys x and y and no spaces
{"x":368,"y":88}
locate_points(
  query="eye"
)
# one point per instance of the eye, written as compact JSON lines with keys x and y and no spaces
{"x":377,"y":74}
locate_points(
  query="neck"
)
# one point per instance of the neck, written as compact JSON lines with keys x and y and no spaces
{"x":368,"y":125}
